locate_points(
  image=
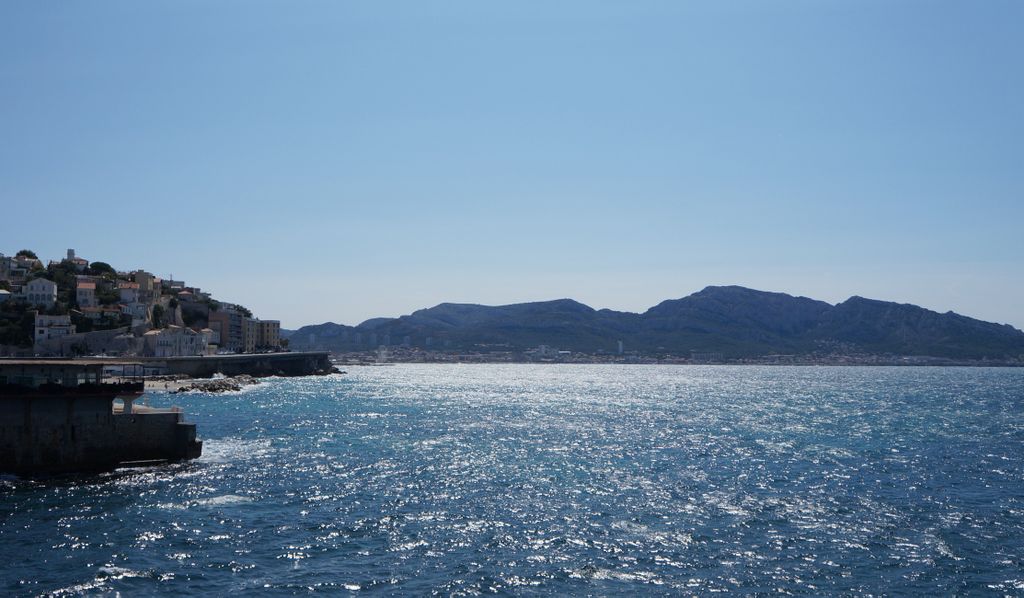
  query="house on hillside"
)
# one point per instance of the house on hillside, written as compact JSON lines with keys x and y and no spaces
{"x":51,"y":327}
{"x":15,"y":270}
{"x":138,"y":312}
{"x":129,"y":292}
{"x":40,"y":291}
{"x":85,"y":294}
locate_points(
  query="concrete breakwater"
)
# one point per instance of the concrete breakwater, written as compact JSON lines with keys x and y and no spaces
{"x":74,"y":434}
{"x":307,"y":363}
{"x":60,"y":416}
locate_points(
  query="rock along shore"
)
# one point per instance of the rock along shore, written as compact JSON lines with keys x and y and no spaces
{"x":218,"y":385}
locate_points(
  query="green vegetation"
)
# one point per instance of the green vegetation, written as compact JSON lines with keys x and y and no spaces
{"x":84,"y":324}
{"x":107,"y":295}
{"x":27,"y":253}
{"x":101,"y":269}
{"x":159,"y":317}
{"x":64,"y":274}
{"x":194,"y":318}
{"x":16,"y":324}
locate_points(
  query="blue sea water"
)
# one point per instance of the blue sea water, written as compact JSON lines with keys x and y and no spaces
{"x":555,"y":479}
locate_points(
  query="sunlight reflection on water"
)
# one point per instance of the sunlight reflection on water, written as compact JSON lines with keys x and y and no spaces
{"x":556,"y":479}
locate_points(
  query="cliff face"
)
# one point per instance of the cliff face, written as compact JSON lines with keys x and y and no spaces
{"x":734,"y":321}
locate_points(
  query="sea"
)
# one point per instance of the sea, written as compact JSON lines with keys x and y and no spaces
{"x":552,"y":479}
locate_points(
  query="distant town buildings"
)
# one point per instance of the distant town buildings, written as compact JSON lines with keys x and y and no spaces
{"x":79,"y":307}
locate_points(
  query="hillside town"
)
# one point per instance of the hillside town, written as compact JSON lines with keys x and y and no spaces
{"x":71,"y":307}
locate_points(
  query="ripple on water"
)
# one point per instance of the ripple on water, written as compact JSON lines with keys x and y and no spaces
{"x":556,"y":480}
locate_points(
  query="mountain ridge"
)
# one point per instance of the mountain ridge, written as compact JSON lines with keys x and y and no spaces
{"x":732,"y":321}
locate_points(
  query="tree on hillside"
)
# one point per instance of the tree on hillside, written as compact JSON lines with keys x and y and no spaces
{"x":58,"y":309}
{"x":107,"y":296}
{"x":158,"y":316}
{"x":27,"y":253}
{"x":100,"y":269}
{"x":16,"y":327}
{"x":64,"y":274}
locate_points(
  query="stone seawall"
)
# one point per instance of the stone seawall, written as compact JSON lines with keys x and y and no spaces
{"x":258,"y":364}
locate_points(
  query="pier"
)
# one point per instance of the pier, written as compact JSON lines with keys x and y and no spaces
{"x":59,"y":416}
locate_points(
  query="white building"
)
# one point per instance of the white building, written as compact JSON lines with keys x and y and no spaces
{"x":50,"y":327}
{"x":173,"y":341}
{"x":139,"y":312}
{"x":40,"y":292}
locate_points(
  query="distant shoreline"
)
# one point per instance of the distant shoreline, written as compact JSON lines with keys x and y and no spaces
{"x":748,"y":362}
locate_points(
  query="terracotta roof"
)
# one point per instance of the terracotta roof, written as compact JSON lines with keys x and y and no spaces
{"x":85,"y":284}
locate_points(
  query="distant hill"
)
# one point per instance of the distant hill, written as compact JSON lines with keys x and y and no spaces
{"x":731,"y":320}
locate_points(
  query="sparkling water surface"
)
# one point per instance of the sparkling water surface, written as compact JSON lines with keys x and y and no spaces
{"x":555,"y":479}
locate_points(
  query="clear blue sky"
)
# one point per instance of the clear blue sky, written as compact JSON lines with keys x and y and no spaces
{"x":341,"y":160}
